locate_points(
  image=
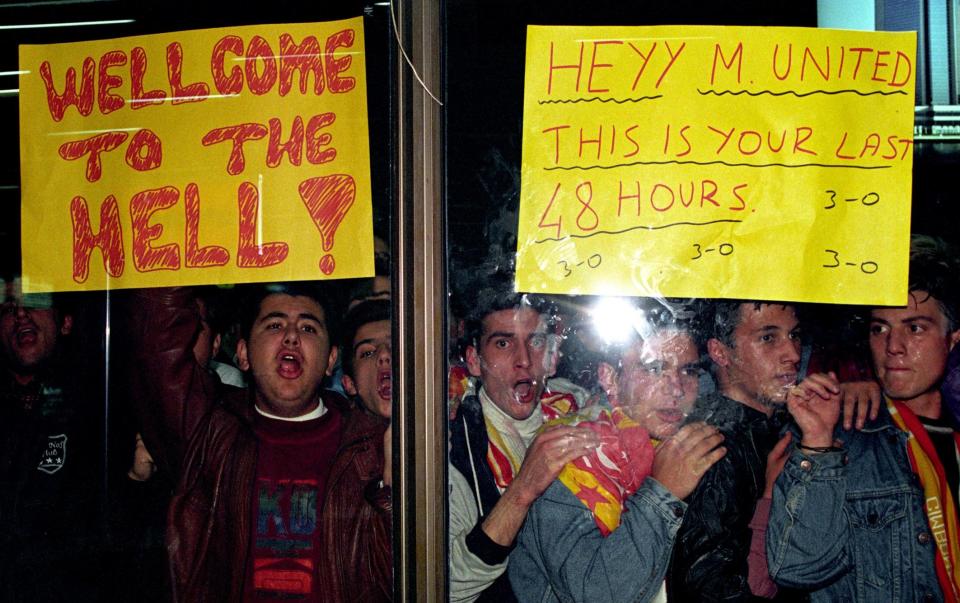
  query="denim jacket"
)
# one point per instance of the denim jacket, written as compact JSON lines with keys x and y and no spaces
{"x":851,"y":526}
{"x":561,"y":555}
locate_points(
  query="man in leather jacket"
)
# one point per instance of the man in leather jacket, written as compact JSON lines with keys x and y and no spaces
{"x":258,"y":511}
{"x":755,"y":352}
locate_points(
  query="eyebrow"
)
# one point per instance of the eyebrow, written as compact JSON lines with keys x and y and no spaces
{"x":368,"y":340}
{"x":284,"y":315}
{"x":906,"y":320}
{"x":507,"y":334}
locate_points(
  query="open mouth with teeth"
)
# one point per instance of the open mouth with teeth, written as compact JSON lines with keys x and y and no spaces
{"x":26,"y":336}
{"x":385,"y":385}
{"x":289,"y":365}
{"x":524,"y":391}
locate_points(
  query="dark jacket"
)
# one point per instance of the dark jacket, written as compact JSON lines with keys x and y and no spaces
{"x":51,"y":485}
{"x":711,"y":549}
{"x":203,"y":433}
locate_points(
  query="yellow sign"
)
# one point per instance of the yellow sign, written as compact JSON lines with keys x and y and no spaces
{"x":731,"y":162}
{"x":210,"y":156}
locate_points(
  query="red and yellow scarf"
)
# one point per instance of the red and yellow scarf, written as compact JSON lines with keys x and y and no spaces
{"x":605,"y":478}
{"x":505,"y":460}
{"x":939,"y":505}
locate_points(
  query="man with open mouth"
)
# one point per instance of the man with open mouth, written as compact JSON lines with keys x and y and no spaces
{"x":50,"y":476}
{"x":499,"y":465}
{"x":267,"y":478}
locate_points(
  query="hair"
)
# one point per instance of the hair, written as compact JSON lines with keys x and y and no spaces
{"x":725,"y":317}
{"x":934,"y":268}
{"x":656,"y":316}
{"x":495,"y":294}
{"x":363,"y":313}
{"x":255,"y":294}
{"x":216,"y":314}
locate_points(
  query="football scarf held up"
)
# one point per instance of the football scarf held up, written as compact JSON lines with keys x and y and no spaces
{"x":507,"y":446}
{"x":939,"y":505}
{"x":604,"y":479}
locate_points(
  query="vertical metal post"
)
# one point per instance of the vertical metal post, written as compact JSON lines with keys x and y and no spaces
{"x":420,"y":440}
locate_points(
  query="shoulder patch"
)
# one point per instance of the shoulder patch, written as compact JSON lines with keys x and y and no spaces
{"x":54,"y":455}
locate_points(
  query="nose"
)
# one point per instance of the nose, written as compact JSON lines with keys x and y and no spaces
{"x":523,"y":356}
{"x":673,"y":381}
{"x":895,"y":343}
{"x":384,"y":355}
{"x":791,"y":352}
{"x":291,"y":335}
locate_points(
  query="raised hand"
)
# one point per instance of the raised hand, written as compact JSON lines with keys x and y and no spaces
{"x":682,"y":460}
{"x":553,"y":448}
{"x":815,"y":406}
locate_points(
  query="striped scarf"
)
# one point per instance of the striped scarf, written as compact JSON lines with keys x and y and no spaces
{"x":509,"y":438}
{"x":940,"y":508}
{"x":605,"y":478}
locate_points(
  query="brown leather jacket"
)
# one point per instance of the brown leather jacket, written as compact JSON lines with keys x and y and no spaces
{"x":201,"y":432}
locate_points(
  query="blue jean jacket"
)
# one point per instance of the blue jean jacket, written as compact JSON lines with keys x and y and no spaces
{"x":561,"y":555}
{"x":851,"y":526}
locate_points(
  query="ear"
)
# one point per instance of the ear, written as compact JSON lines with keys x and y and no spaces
{"x":473,"y":361}
{"x":332,"y":360}
{"x":954,"y":338}
{"x":719,"y":352}
{"x":243,"y":363}
{"x":348,"y":385}
{"x":67,"y":325}
{"x":607,"y":376}
{"x":216,"y":346}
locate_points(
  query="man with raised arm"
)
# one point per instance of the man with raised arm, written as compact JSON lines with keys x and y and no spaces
{"x":871,"y":515}
{"x":251,"y":517}
{"x":604,"y":531}
{"x":754,"y":349}
{"x":499,"y":463}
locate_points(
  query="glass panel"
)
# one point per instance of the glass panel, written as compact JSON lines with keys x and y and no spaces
{"x":618,"y":448}
{"x":115,"y":404}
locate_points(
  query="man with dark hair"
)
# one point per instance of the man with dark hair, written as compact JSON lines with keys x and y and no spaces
{"x":872,"y":515}
{"x":500,"y":465}
{"x":256,"y":511}
{"x":605,"y":529}
{"x":754,"y":348}
{"x":50,"y":465}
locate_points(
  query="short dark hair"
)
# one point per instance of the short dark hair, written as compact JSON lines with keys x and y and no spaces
{"x":495,"y":294}
{"x":935,"y":268}
{"x":254,"y":295}
{"x":363,"y":313}
{"x":725,"y":317}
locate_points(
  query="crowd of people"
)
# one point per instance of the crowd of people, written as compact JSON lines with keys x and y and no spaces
{"x":700,"y":451}
{"x":714,"y":455}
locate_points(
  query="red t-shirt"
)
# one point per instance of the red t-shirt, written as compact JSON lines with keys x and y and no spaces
{"x":293,"y":463}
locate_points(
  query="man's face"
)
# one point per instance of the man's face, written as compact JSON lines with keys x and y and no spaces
{"x":513,"y":360}
{"x":29,"y":336}
{"x":764,"y":360}
{"x":288,"y":354}
{"x":372,"y":379}
{"x":657,"y":383}
{"x":910,"y":346}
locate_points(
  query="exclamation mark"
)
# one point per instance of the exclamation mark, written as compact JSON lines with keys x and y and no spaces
{"x":328,"y":199}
